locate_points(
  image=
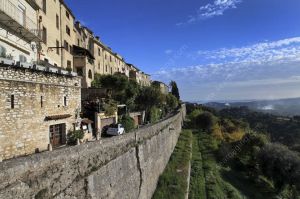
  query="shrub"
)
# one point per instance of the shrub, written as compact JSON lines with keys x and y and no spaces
{"x":281,"y":165}
{"x":74,"y":135}
{"x":128,"y":123}
{"x":216,"y":132}
{"x":109,"y":109}
{"x":155,"y":114}
{"x":69,"y":69}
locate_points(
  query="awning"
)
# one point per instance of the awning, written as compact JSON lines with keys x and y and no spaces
{"x":87,"y":121}
{"x":57,"y":117}
{"x":82,"y":51}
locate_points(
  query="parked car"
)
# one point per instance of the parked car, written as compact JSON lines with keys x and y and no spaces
{"x":115,"y":130}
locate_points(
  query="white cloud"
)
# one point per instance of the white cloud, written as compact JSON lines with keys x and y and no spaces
{"x":262,"y":70}
{"x":217,"y":8}
{"x":168,"y":51}
{"x":265,"y":51}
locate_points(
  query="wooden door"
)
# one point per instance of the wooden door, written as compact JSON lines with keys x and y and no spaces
{"x":57,"y":135}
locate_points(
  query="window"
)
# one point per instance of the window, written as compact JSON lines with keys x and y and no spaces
{"x":2,"y":51}
{"x":42,"y":102}
{"x":90,"y":74}
{"x":44,"y":6}
{"x":22,"y":58}
{"x":69,"y":63}
{"x":79,"y":71}
{"x":66,"y":45}
{"x":57,"y":21}
{"x":105,"y":56}
{"x":99,"y":66}
{"x":65,"y":101}
{"x":68,"y":31}
{"x":99,"y":51}
{"x":57,"y":47}
{"x":110,"y":58}
{"x":111,"y":70}
{"x":22,"y":10}
{"x":12,"y":101}
{"x":106,"y":68}
{"x":78,"y":42}
{"x":44,"y":35}
{"x":67,"y":15}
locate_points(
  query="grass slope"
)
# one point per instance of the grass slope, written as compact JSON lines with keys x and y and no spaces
{"x":209,"y":182}
{"x":172,"y":183}
{"x":197,"y":181}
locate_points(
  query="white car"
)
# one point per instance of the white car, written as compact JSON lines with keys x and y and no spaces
{"x":115,"y":130}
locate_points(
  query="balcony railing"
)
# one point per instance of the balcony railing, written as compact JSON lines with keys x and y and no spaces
{"x":16,"y":19}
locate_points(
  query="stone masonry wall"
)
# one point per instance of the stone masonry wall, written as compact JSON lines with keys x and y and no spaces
{"x":23,"y":129}
{"x":121,"y":167}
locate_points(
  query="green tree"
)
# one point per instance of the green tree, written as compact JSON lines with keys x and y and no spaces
{"x":206,"y":121}
{"x":172,"y":101}
{"x":149,"y":97}
{"x":174,"y":89}
{"x":117,"y":82}
{"x":192,"y":117}
{"x":123,"y":90}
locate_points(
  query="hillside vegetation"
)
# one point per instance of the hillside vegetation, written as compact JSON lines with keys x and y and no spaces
{"x":244,"y":157}
{"x":231,"y":159}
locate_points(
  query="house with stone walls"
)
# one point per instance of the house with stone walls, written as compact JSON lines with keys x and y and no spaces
{"x":39,"y":104}
{"x":139,"y":76}
{"x":37,"y":109}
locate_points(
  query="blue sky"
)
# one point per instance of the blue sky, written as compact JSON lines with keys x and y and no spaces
{"x":214,"y":49}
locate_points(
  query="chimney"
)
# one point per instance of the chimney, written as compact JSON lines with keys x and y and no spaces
{"x":98,"y":38}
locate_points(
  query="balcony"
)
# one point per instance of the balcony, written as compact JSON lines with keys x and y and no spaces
{"x":15,"y":19}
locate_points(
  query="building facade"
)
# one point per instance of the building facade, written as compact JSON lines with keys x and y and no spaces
{"x":41,"y":49}
{"x":100,"y":59}
{"x":164,"y":88}
{"x":56,"y":24}
{"x":38,"y":104}
{"x":19,"y":33}
{"x":145,"y":79}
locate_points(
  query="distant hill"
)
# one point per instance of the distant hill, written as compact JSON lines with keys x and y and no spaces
{"x":285,"y":107}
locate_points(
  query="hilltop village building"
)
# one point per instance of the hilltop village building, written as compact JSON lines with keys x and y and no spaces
{"x":162,"y":86}
{"x":46,"y":59}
